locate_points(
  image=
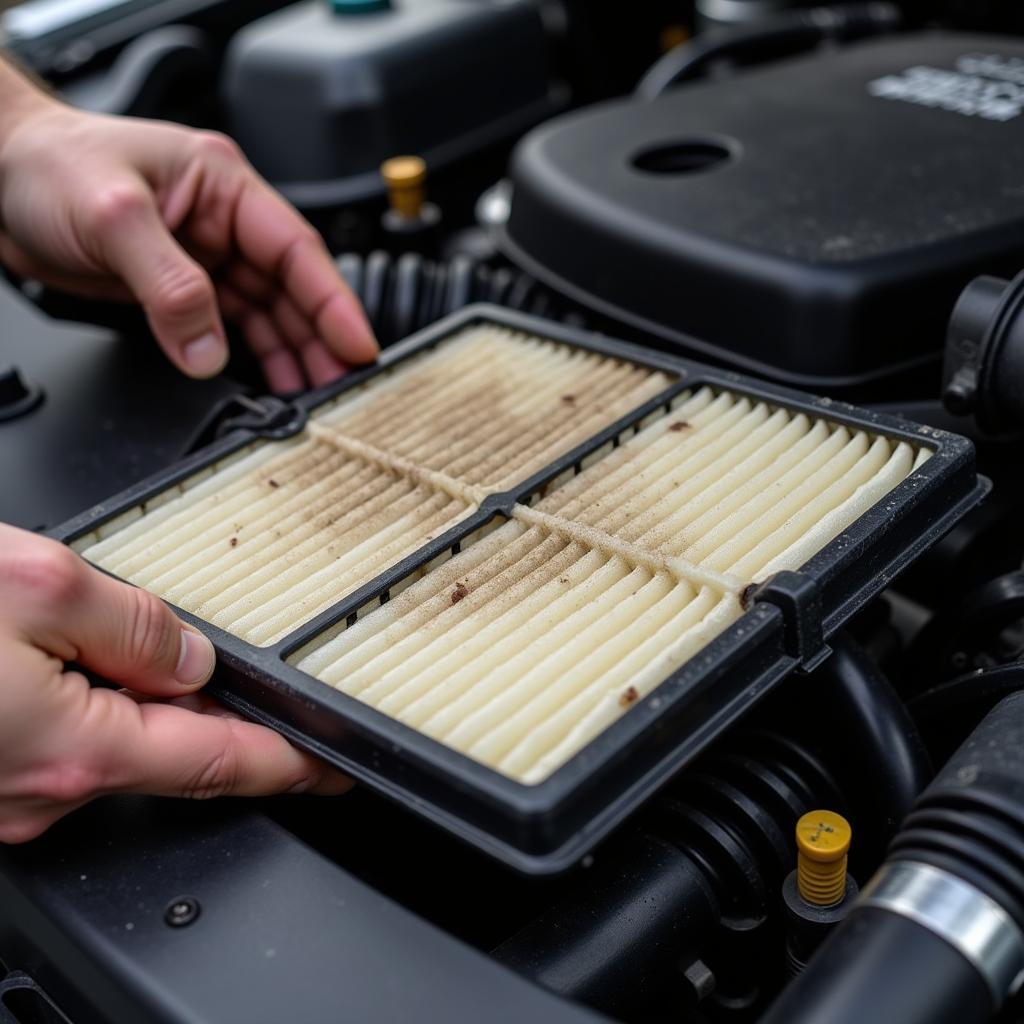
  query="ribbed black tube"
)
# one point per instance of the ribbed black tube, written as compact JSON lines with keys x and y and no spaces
{"x":401,"y":295}
{"x":971,"y":819}
{"x":714,"y":848}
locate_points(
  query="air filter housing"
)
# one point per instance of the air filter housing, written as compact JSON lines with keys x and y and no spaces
{"x":516,"y":576}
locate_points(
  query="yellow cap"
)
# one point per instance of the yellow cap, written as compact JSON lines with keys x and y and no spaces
{"x":405,"y":177}
{"x":822,"y":842}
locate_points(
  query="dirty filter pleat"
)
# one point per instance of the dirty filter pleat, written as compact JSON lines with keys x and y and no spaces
{"x":530,"y":642}
{"x":266,"y":541}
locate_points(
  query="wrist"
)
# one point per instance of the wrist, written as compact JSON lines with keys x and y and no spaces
{"x":21,"y":101}
{"x":20,"y":97}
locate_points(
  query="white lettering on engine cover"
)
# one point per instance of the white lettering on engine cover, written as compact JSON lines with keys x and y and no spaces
{"x":982,"y":85}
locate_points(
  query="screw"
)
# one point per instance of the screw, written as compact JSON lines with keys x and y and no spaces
{"x":182,"y":911}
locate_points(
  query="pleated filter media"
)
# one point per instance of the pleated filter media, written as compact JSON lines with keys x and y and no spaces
{"x":546,"y":625}
{"x":263,"y":542}
{"x":537,"y":636}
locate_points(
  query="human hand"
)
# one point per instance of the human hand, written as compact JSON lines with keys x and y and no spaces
{"x":176,"y":219}
{"x":63,"y":742}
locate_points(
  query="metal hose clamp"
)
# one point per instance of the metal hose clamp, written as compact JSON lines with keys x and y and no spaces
{"x":960,"y":914}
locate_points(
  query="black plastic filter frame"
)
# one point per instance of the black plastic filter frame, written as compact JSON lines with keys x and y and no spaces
{"x":547,"y":827}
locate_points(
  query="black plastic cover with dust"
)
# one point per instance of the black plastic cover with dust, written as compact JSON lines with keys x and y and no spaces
{"x":848,"y":196}
{"x":515,"y":576}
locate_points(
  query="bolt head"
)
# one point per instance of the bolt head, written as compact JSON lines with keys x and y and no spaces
{"x":182,"y":911}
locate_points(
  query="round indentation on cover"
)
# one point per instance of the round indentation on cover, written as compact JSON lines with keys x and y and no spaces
{"x":684,"y":156}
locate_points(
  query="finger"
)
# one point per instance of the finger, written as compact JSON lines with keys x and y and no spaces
{"x":249,"y":282}
{"x":277,"y":360}
{"x":281,"y":368}
{"x":278,"y":242}
{"x":290,"y":321}
{"x":322,"y":366}
{"x":173,"y":288}
{"x":99,"y":741}
{"x":128,"y":635}
{"x":233,"y":306}
{"x":166,"y":750}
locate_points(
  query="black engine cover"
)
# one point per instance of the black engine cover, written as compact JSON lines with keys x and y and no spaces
{"x":813,"y":222}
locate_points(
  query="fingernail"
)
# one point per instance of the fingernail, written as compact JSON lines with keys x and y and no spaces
{"x":195,"y":662}
{"x":300,"y":787}
{"x":205,"y":356}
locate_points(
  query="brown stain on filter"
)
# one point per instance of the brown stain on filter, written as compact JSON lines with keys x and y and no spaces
{"x":629,"y":696}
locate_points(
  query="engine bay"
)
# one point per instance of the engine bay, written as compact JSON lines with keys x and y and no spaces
{"x":660,"y":585}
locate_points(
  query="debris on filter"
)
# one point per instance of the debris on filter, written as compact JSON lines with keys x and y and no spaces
{"x":629,"y":696}
{"x":459,"y":593}
{"x":375,"y":475}
{"x":233,"y":542}
{"x":586,"y":602}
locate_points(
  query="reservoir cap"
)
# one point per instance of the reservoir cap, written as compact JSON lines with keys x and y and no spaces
{"x":359,"y":6}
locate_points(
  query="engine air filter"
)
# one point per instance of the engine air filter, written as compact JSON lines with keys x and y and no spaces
{"x":537,"y":637}
{"x":264,"y":542}
{"x":515,"y":576}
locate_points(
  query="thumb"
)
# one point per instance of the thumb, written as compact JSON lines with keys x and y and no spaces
{"x":125,"y":634}
{"x":174,"y":290}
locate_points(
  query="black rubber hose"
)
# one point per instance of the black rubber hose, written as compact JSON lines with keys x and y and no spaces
{"x":401,"y":295}
{"x":971,"y":818}
{"x":713,"y":849}
{"x":967,"y":697}
{"x":910,"y":952}
{"x":612,"y":943}
{"x":984,"y":359}
{"x":783,"y":33}
{"x":731,"y":819}
{"x":883,"y":759}
{"x":878,"y":968}
{"x":150,"y":74}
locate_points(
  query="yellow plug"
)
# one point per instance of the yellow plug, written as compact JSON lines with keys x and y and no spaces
{"x":405,"y":177}
{"x":822,"y":842}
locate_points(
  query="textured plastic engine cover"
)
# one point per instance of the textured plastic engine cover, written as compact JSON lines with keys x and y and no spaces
{"x":317,"y":100}
{"x":814,"y":221}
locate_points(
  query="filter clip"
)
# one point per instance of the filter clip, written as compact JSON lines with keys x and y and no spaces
{"x":799,"y":598}
{"x":267,"y":416}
